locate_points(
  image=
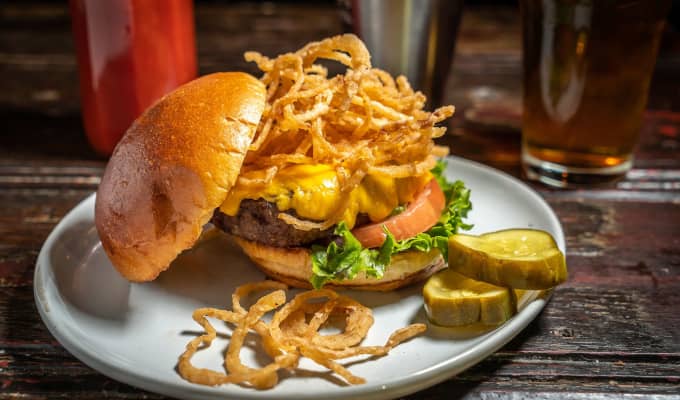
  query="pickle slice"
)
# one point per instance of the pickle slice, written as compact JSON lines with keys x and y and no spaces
{"x":452,"y":299}
{"x":517,"y":258}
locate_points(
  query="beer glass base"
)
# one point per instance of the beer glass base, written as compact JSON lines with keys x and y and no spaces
{"x":564,"y":176}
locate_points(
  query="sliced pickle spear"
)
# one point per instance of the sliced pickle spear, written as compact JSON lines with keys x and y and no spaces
{"x":452,"y":299}
{"x":517,"y":258}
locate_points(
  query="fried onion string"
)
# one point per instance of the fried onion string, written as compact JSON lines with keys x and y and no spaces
{"x":292,"y":333}
{"x":313,"y":118}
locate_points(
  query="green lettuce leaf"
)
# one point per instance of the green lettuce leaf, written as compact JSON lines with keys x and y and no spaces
{"x":344,"y":260}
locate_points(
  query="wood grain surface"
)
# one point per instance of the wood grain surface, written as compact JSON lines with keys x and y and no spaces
{"x":612,"y":330}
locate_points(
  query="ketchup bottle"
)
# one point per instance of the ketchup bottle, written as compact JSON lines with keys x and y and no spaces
{"x":130,"y":53}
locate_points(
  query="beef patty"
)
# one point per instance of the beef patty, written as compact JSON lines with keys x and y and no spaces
{"x":257,"y":220}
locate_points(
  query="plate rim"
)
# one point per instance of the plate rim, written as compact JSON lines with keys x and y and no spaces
{"x":400,"y":386}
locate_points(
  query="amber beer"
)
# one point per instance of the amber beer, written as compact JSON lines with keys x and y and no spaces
{"x":587,"y":68}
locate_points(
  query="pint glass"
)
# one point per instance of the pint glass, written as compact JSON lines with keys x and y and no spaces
{"x":587,"y":68}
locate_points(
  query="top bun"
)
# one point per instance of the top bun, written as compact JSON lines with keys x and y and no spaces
{"x":172,"y":168}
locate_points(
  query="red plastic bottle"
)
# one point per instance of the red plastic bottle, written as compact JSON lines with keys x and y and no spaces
{"x":130,"y":53}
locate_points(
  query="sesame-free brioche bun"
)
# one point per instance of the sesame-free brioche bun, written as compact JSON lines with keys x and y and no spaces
{"x":293,"y":266}
{"x":172,"y":168}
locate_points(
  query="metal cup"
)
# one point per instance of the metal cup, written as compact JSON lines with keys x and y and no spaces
{"x":415,"y":38}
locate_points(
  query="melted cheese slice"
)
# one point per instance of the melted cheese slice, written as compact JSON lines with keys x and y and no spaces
{"x":313,"y":192}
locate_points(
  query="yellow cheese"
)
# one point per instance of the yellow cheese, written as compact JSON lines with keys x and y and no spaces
{"x":313,"y":192}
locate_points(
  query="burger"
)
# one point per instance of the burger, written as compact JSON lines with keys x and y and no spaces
{"x":321,"y":179}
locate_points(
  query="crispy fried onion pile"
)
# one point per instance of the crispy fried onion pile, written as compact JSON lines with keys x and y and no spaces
{"x":293,"y":333}
{"x":362,"y":122}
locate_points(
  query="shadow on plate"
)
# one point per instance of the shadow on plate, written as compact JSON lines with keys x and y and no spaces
{"x":209,"y":272}
{"x":84,"y":275}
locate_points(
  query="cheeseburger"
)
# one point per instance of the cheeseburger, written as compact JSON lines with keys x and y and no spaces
{"x":321,"y":180}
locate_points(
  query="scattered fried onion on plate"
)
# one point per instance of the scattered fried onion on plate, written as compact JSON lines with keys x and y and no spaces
{"x":293,"y":333}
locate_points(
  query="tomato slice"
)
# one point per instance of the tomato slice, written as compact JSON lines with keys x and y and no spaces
{"x":420,"y":215}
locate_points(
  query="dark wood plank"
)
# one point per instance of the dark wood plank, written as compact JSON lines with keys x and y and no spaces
{"x":561,"y":348}
{"x":223,"y":32}
{"x":44,"y":139}
{"x":617,"y":245}
{"x":62,"y":145}
{"x":523,"y":377}
{"x":484,"y":56}
{"x":26,"y":218}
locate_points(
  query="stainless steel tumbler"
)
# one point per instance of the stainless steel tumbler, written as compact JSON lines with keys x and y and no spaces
{"x":415,"y":38}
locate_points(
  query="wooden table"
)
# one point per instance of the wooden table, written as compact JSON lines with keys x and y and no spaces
{"x":612,"y":329}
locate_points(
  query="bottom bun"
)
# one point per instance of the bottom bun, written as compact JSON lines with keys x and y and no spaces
{"x":293,"y":266}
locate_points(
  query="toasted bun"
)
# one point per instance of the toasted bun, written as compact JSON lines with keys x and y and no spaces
{"x":293,"y":266}
{"x":172,"y":168}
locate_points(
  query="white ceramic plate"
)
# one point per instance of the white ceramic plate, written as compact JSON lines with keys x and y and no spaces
{"x":135,"y":332}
